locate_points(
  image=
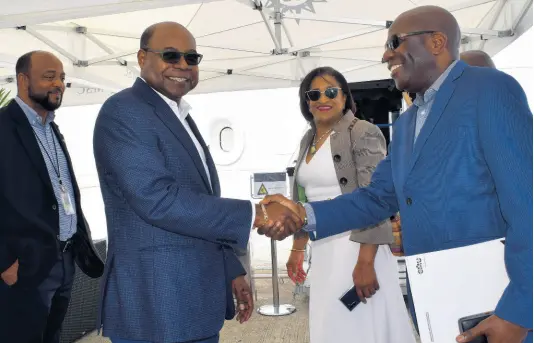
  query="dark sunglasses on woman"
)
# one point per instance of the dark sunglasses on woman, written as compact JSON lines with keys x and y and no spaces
{"x":330,"y":92}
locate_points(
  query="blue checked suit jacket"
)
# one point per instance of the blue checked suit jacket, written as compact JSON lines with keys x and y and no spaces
{"x":170,"y":237}
{"x":467,"y":179}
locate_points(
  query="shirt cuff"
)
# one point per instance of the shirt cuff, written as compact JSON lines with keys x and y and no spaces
{"x":253,"y":215}
{"x":312,"y":223}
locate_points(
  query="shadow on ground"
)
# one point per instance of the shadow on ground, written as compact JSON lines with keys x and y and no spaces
{"x":260,"y":329}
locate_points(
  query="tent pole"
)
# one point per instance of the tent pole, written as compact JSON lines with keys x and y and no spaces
{"x":278,"y":25}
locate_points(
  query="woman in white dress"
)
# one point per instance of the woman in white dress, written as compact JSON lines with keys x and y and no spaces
{"x":337,"y":155}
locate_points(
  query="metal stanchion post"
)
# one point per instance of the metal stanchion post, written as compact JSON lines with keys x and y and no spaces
{"x":275,"y":309}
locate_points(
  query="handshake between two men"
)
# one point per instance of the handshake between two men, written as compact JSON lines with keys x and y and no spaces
{"x":278,"y":217}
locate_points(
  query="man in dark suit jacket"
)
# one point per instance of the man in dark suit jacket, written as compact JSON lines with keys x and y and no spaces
{"x":42,"y":228}
{"x":171,"y":265}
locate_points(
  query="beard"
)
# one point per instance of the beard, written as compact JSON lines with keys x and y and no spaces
{"x":44,"y":99}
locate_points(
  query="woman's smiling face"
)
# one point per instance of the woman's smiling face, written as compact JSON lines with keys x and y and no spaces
{"x":327,"y":104}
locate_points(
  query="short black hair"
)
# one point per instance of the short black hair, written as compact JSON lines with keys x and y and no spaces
{"x":146,"y":36}
{"x":24,"y":63}
{"x":306,"y":84}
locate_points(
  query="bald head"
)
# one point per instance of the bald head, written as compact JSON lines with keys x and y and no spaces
{"x":165,"y":27}
{"x":422,"y":43}
{"x":477,"y":58}
{"x":24,"y":62}
{"x":432,"y":18}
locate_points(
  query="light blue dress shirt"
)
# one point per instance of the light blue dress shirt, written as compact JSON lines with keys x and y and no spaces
{"x":56,"y":161}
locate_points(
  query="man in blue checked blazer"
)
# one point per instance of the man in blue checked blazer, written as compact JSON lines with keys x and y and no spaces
{"x":459,"y":168}
{"x":171,"y":268}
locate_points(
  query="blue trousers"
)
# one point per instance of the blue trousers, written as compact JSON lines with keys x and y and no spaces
{"x":214,"y":339}
{"x":35,"y":314}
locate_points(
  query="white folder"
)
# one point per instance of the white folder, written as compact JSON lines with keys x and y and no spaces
{"x":451,"y":284}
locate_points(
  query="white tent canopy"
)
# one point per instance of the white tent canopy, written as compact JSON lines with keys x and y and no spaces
{"x":247,"y":44}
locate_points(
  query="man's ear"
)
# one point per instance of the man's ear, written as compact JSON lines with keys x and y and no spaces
{"x":439,"y":43}
{"x":22,"y":79}
{"x":407,"y":98}
{"x":141,"y":55}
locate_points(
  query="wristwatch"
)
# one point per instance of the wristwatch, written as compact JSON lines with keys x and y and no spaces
{"x":305,"y":214}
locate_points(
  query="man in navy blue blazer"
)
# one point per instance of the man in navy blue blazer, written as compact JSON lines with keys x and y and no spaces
{"x":477,"y":58}
{"x":459,"y":167}
{"x":171,"y":268}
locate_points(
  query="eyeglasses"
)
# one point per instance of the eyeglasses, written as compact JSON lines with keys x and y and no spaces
{"x":396,"y":40}
{"x":330,"y":92}
{"x":172,"y":56}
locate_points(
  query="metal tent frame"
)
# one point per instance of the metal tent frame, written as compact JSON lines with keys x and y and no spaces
{"x":275,"y":16}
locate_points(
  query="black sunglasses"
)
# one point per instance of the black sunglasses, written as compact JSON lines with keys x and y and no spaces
{"x":396,"y":40}
{"x":172,"y":56}
{"x":330,"y":92}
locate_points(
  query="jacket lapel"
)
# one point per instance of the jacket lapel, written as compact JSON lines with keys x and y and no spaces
{"x":61,"y":140}
{"x":308,"y":137}
{"x":441,"y":101}
{"x":216,"y":187}
{"x":167,"y":116}
{"x":28,"y":140}
{"x":342,"y":141}
{"x":306,"y":141}
{"x":403,"y":138}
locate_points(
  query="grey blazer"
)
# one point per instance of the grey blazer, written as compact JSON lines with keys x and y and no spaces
{"x":357,"y":147}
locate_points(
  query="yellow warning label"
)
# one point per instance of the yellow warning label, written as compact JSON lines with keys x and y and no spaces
{"x":262,"y":190}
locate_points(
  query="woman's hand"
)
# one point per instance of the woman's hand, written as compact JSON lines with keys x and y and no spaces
{"x":364,"y":274}
{"x":365,"y":280}
{"x":294,"y":265}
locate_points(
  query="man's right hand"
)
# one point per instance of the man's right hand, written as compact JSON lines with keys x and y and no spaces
{"x":282,"y":222}
{"x":282,"y":200}
{"x":9,"y":276}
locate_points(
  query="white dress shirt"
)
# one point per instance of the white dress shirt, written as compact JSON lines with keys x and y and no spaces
{"x":181,"y":110}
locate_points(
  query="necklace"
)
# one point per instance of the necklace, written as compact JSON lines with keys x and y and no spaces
{"x":313,"y":147}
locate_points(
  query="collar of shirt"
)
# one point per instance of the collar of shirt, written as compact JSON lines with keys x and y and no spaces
{"x":428,"y":96}
{"x":34,"y":118}
{"x":181,"y":109}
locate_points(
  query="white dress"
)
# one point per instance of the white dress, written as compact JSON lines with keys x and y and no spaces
{"x":384,"y":319}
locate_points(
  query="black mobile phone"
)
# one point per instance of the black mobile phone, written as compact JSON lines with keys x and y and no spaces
{"x":469,"y":322}
{"x":350,"y":299}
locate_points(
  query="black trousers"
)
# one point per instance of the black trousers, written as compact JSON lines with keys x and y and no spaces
{"x":36,"y":314}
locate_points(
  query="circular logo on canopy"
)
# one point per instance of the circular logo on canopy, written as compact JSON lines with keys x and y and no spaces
{"x":295,"y":6}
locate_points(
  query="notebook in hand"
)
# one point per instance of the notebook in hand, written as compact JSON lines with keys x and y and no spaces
{"x":453,"y":284}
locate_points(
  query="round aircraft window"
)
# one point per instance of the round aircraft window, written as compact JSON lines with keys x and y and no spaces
{"x":226,"y":139}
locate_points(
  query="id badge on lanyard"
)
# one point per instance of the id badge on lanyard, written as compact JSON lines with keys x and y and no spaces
{"x":65,"y":199}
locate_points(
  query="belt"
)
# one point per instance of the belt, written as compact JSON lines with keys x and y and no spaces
{"x":65,"y":245}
